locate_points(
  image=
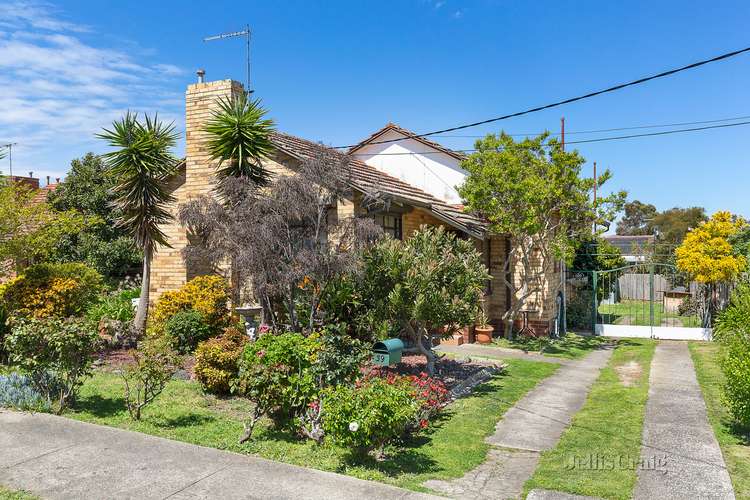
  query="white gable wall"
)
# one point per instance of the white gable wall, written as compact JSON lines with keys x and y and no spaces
{"x":436,"y":173}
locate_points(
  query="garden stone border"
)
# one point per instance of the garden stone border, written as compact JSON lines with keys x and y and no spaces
{"x":465,"y":387}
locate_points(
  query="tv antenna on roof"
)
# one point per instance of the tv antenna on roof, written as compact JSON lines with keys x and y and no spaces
{"x":9,"y":147}
{"x":234,"y":34}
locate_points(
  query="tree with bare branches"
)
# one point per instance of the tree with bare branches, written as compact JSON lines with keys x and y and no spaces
{"x":286,"y":241}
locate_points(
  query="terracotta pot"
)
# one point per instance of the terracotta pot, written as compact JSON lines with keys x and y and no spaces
{"x":483,"y":334}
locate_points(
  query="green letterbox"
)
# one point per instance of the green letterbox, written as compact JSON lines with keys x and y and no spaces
{"x":387,"y":352}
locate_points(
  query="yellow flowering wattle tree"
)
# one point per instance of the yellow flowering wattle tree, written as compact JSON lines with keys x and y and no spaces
{"x":708,"y":257}
{"x":706,"y":253}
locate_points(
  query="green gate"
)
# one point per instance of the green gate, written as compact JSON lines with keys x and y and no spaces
{"x":640,"y":299}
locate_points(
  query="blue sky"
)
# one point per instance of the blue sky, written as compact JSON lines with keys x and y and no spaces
{"x":337,"y":71}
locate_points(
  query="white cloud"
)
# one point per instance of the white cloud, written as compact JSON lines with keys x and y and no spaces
{"x":458,"y":14}
{"x":37,"y":15}
{"x":58,"y":89}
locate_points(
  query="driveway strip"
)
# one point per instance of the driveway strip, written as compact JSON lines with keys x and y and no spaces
{"x":680,"y":455}
{"x":532,"y":425}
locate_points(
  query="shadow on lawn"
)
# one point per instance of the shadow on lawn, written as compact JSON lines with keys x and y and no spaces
{"x":101,"y":407}
{"x":180,"y":421}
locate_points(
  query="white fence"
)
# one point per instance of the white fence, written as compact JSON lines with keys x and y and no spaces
{"x":656,"y":332}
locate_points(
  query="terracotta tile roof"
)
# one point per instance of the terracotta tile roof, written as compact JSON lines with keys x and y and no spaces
{"x":368,"y":179}
{"x":408,"y":133}
{"x":41,"y":194}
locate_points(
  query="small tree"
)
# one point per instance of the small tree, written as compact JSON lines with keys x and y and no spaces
{"x":57,"y":353}
{"x":239,"y":141}
{"x":429,"y":281}
{"x":141,"y":166}
{"x":532,"y":192}
{"x":707,"y":255}
{"x":154,"y":363}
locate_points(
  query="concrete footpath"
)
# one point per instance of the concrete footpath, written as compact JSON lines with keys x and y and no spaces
{"x":532,"y":425}
{"x":58,"y":458}
{"x":681,"y":456}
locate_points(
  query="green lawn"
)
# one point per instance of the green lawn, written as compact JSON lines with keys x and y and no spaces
{"x":6,"y":494}
{"x":608,"y":426}
{"x":454,"y":445}
{"x":637,"y":312}
{"x":735,"y":443}
{"x":571,"y":346}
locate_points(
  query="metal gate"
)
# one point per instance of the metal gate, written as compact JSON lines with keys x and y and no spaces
{"x":640,"y":299}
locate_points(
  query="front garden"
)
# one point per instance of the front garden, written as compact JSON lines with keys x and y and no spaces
{"x":308,"y":396}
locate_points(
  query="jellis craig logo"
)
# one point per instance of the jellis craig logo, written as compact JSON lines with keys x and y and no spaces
{"x":604,"y":462}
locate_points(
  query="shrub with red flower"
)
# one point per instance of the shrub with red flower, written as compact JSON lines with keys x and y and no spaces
{"x":432,"y":395}
{"x":430,"y":392}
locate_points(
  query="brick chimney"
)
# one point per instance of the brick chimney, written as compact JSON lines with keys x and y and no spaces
{"x":168,"y":269}
{"x":201,"y":99}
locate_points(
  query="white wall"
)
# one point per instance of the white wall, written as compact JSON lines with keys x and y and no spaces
{"x":436,"y":173}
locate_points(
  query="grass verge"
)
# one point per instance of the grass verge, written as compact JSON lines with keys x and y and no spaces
{"x":608,"y":427}
{"x":571,"y":346}
{"x":8,"y":494}
{"x":734,"y":442}
{"x":453,"y":445}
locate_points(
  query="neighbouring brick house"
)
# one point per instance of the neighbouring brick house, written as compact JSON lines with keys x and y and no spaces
{"x":8,"y":267}
{"x":411,"y":203}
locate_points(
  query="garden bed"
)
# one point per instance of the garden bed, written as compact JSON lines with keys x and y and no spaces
{"x":451,"y":372}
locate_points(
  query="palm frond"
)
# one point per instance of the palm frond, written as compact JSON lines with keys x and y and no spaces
{"x":240,"y":140}
{"x":141,"y":164}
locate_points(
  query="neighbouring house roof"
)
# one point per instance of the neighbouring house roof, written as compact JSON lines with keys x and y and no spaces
{"x":41,"y":194}
{"x":367,"y":179}
{"x":392,"y":127}
{"x":630,"y":245}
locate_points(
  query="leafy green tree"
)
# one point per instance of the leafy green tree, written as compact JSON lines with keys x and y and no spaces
{"x":30,"y":229}
{"x":597,"y":254}
{"x":532,"y":191}
{"x":104,"y":245}
{"x":239,"y":138}
{"x":141,"y":166}
{"x":673,"y":224}
{"x":638,"y":219}
{"x":740,"y":242}
{"x":431,"y":280}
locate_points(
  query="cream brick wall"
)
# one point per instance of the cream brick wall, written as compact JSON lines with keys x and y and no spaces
{"x":168,"y":270}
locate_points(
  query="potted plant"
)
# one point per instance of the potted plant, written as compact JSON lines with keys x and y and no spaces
{"x":483,"y":330}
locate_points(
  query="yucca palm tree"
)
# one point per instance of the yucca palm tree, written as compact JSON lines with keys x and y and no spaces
{"x":141,"y":166}
{"x":240,"y":140}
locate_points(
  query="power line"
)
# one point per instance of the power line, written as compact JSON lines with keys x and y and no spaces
{"x":635,"y":127}
{"x":639,"y":81}
{"x":582,"y":141}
